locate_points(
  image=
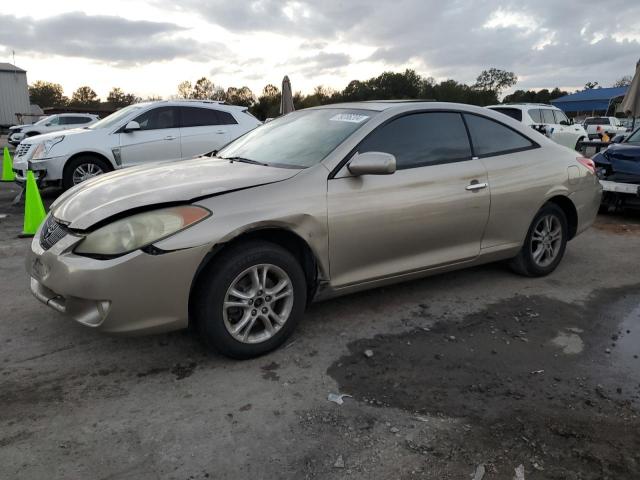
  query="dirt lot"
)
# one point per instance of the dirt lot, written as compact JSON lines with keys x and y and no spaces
{"x":477,"y":367}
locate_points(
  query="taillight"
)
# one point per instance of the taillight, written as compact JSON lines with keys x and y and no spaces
{"x":587,"y":162}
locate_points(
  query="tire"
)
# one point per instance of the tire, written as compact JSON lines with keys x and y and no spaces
{"x":528,"y":262}
{"x":578,"y":148}
{"x":89,"y":162}
{"x":215,"y":322}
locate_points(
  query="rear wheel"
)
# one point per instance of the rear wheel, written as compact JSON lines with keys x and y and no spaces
{"x":545,"y":243}
{"x":249,"y":301}
{"x":83,"y":168}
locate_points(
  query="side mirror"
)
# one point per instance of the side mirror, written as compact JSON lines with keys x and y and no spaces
{"x":47,"y":124}
{"x":132,"y":126}
{"x":372,"y":163}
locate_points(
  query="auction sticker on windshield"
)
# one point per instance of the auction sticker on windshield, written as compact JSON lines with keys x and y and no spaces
{"x":349,"y":117}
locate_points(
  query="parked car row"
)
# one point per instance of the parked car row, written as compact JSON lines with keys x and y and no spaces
{"x":314,"y":204}
{"x":138,"y":134}
{"x":547,"y":119}
{"x":51,"y":123}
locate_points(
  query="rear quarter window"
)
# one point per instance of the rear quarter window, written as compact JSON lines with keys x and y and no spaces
{"x":491,"y":138}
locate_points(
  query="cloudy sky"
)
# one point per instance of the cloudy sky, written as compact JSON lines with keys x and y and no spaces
{"x":148,"y":46}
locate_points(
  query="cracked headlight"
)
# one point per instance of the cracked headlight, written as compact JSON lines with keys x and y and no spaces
{"x":140,"y":230}
{"x":43,"y":148}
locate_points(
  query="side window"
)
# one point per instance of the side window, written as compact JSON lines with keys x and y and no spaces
{"x":73,"y":120}
{"x":492,"y":138}
{"x":547,"y":116}
{"x":535,"y":115}
{"x":198,"y":117}
{"x":158,"y":118}
{"x":53,"y":121}
{"x":561,"y":117}
{"x":421,"y":139}
{"x":226,"y":118}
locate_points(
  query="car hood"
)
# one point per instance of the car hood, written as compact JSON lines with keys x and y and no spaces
{"x":66,"y":133}
{"x":140,"y":187}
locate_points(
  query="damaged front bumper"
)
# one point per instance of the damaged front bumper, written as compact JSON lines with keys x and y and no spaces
{"x":137,"y":293}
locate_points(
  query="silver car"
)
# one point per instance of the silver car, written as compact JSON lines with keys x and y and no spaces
{"x":315,"y":204}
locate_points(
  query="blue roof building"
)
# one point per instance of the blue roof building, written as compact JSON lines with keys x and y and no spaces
{"x":590,"y":101}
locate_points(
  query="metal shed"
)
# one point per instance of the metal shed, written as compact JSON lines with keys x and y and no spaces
{"x":14,"y":94}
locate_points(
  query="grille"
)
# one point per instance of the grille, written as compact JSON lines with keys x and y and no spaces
{"x":22,"y":149}
{"x":52,"y":233}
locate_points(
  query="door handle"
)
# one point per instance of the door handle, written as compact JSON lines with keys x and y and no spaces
{"x":475,"y":185}
{"x":220,"y":132}
{"x":170,"y":137}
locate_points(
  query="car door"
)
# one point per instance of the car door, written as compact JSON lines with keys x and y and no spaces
{"x":52,"y":124}
{"x":431,"y":212}
{"x":566,"y":134}
{"x":157,"y":140}
{"x":519,"y":176}
{"x":202,"y":130}
{"x":553,"y":130}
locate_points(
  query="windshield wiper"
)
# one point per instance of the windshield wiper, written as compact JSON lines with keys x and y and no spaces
{"x":245,"y":160}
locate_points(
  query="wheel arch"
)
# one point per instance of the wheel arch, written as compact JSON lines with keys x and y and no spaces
{"x":278,"y":235}
{"x":91,"y":153}
{"x":570,"y":211}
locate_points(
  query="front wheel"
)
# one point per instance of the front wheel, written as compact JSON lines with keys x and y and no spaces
{"x":545,"y":243}
{"x":83,"y":168}
{"x":249,"y":301}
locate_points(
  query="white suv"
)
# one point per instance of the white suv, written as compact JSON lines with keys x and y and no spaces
{"x":139,"y":134}
{"x":548,"y":120}
{"x":52,"y":123}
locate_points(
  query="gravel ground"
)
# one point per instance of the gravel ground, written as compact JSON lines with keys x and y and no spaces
{"x":477,"y":370}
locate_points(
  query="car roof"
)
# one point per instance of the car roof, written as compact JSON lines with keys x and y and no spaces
{"x":181,"y":102}
{"x":523,"y":105}
{"x":403,"y":105}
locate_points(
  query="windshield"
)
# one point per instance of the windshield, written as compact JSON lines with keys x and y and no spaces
{"x":298,"y":140}
{"x":113,"y":119}
{"x":634,"y":137}
{"x":44,"y":120}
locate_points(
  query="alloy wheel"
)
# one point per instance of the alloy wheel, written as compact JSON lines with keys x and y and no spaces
{"x":546,"y":240}
{"x":258,"y":303}
{"x":85,"y":171}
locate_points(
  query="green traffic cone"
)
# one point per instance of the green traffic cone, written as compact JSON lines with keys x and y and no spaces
{"x":7,"y":167}
{"x":34,"y":212}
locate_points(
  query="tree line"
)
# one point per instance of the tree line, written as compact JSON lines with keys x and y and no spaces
{"x":388,"y":85}
{"x":48,"y":94}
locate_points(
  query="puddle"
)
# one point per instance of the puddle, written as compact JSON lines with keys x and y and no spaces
{"x":535,"y":377}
